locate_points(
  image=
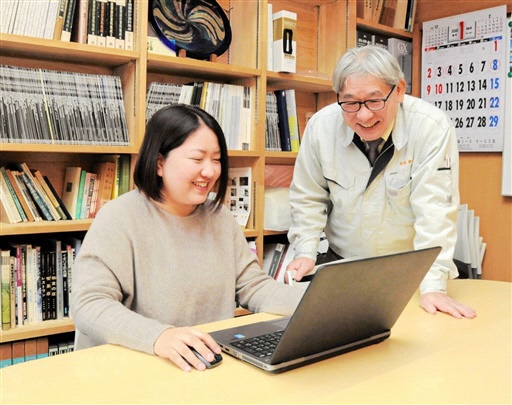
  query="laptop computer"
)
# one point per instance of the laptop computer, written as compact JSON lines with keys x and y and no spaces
{"x":348,"y":305}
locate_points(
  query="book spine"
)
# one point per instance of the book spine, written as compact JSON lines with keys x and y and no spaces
{"x":111,"y":30}
{"x":10,"y":199}
{"x":102,"y":22}
{"x":129,"y":24}
{"x":26,"y":194}
{"x":120,"y":23}
{"x":284,"y":130}
{"x":92,"y":33}
{"x":67,"y":27}
{"x":59,"y":21}
{"x":293,"y":120}
{"x":80,"y":33}
{"x":5,"y":268}
{"x":21,"y":197}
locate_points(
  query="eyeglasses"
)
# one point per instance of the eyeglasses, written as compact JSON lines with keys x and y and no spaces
{"x":372,"y":105}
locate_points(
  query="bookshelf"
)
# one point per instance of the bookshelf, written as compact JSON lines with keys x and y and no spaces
{"x":325,"y":28}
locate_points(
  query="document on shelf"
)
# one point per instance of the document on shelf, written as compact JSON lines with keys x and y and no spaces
{"x":239,"y":194}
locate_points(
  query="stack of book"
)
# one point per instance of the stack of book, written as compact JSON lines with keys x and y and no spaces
{"x":108,"y":23}
{"x":36,"y":281}
{"x":52,"y":107}
{"x":393,"y":13}
{"x":276,"y":257}
{"x":28,"y":196}
{"x":229,"y":104}
{"x":282,"y":125}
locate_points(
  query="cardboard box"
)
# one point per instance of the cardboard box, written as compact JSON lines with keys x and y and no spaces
{"x":284,"y":47}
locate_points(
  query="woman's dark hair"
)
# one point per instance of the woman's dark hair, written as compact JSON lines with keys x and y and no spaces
{"x":168,"y":129}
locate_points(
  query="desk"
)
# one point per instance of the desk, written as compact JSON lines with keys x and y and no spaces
{"x":427,"y":359}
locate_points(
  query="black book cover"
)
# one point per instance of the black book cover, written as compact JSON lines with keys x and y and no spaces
{"x":282,"y":113}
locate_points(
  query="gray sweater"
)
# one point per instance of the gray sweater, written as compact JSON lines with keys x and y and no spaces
{"x":141,"y":270}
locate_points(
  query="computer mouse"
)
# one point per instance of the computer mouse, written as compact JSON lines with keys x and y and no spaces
{"x":209,"y":364}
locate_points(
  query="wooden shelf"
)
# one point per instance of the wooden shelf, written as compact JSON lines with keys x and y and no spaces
{"x":203,"y":70}
{"x":44,"y":328}
{"x":45,"y":148}
{"x":383,"y":29}
{"x":299,"y":82}
{"x":46,"y":49}
{"x":33,"y":228}
{"x":280,"y":158}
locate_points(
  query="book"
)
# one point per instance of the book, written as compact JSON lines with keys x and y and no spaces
{"x":70,"y":189}
{"x":54,"y":246}
{"x":380,"y":40}
{"x":111,"y":24}
{"x":363,"y":38}
{"x":10,"y":210}
{"x":276,"y":259}
{"x":107,"y":173}
{"x":288,"y":256}
{"x":388,"y":13}
{"x":40,"y":189}
{"x":80,"y":198}
{"x":368,"y":10}
{"x":18,"y":352}
{"x":67,"y":215}
{"x":34,"y":191}
{"x":26,"y":194}
{"x":79,"y":34}
{"x":30,"y":349}
{"x":21,"y":196}
{"x":59,"y":20}
{"x":129,"y":41}
{"x":124,"y":174}
{"x":102,"y":20}
{"x":293,"y":119}
{"x":51,"y":15}
{"x":69,"y":17}
{"x":268,"y":254}
{"x":14,"y":194}
{"x":49,"y":193}
{"x":41,"y":347}
{"x":283,"y":125}
{"x":92,"y":23}
{"x":400,"y":14}
{"x":377,"y":9}
{"x":120,"y":23}
{"x":5,"y":277}
{"x":30,"y":290}
{"x":5,"y":354}
{"x":411,"y":14}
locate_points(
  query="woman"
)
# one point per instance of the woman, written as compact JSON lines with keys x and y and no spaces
{"x":165,"y":256}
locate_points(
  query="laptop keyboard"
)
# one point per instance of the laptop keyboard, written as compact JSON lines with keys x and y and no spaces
{"x":260,"y":346}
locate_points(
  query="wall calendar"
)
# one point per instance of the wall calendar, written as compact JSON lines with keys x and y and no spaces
{"x":464,"y":72}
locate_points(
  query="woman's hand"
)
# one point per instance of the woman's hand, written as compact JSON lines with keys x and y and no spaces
{"x":175,"y":343}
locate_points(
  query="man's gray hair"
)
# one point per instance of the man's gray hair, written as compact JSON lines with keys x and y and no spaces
{"x":367,"y":60}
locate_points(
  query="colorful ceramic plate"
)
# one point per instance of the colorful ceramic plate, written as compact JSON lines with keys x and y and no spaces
{"x":199,"y":26}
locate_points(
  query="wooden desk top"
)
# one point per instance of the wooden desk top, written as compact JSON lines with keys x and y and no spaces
{"x":427,"y":359}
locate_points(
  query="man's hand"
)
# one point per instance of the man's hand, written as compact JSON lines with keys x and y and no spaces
{"x":302,"y":265}
{"x":174,"y":344}
{"x":438,"y":301}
